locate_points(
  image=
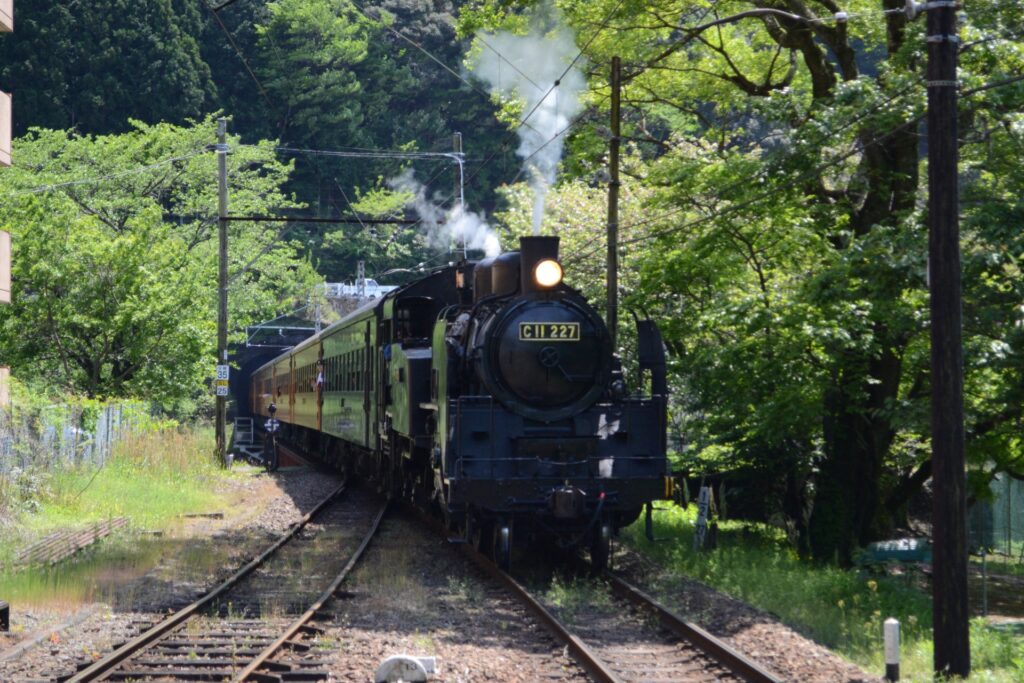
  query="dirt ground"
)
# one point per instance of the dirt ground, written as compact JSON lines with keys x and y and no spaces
{"x":47,"y":638}
{"x":411,"y":595}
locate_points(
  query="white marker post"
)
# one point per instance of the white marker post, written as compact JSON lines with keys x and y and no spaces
{"x":891,"y":631}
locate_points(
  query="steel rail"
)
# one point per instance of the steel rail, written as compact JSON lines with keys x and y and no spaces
{"x":740,"y":665}
{"x":104,"y":666}
{"x":581,"y":652}
{"x":297,"y":625}
{"x":719,"y":651}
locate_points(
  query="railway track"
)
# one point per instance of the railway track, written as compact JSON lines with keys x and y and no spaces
{"x":614,"y":645}
{"x":647,"y":643}
{"x":258,"y":624}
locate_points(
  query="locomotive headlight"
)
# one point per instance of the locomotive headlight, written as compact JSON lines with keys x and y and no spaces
{"x":547,"y":273}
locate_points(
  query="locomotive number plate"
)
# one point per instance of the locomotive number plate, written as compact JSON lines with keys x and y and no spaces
{"x":549,"y":331}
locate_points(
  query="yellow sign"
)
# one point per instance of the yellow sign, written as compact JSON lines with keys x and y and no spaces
{"x":549,"y":331}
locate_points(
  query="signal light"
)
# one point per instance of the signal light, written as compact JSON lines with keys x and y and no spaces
{"x":547,"y":273}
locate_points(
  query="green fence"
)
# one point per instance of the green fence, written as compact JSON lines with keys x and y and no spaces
{"x":997,"y":525}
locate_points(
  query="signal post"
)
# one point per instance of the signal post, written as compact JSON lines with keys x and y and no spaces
{"x":222,"y":292}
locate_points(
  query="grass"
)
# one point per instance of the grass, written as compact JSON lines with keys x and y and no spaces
{"x":842,"y":609}
{"x":576,"y":595}
{"x":1012,"y":564}
{"x":151,"y":478}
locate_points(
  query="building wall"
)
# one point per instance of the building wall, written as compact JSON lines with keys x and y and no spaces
{"x":6,"y":25}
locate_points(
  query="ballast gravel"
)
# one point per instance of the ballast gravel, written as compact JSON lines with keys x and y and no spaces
{"x":51,"y":646}
{"x":752,"y":632}
{"x":411,"y":595}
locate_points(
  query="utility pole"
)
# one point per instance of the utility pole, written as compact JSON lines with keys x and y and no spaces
{"x":952,"y":654}
{"x":613,"y":206}
{"x":459,"y":192}
{"x":222,"y":290}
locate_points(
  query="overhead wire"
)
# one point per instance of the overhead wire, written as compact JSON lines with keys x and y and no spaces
{"x":504,"y":144}
{"x":238,"y":51}
{"x":363,"y":154}
{"x":308,"y":153}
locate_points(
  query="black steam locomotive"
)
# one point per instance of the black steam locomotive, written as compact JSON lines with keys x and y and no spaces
{"x":490,"y":392}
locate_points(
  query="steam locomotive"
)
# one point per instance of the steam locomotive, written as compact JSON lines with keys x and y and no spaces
{"x":488,"y":391}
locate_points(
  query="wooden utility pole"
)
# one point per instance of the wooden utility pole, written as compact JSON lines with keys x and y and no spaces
{"x":952,"y":655}
{"x":222,"y":287}
{"x":613,"y":206}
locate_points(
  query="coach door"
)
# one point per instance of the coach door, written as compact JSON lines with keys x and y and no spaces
{"x":368,"y":353}
{"x":321,"y":379}
{"x":292,"y":380}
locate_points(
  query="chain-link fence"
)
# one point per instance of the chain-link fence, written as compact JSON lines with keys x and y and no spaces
{"x":997,"y":526}
{"x":61,"y":434}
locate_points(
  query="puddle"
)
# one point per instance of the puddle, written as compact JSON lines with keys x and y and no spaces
{"x":135,"y":572}
{"x":128,"y":572}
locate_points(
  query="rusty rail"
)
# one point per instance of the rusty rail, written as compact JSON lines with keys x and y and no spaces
{"x":740,"y":665}
{"x":585,"y":656}
{"x":104,"y":666}
{"x":261,"y":659}
{"x":581,"y":652}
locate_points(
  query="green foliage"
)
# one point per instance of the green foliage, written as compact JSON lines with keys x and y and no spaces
{"x":780,"y":238}
{"x":115,"y":267}
{"x":151,"y":478}
{"x":843,"y":609}
{"x":95,"y":65}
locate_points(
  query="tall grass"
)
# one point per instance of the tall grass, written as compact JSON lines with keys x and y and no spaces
{"x":842,"y":609}
{"x":152,"y":477}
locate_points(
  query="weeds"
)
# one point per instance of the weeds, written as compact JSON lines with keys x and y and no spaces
{"x":574,"y":596}
{"x":842,"y":609}
{"x":423,"y":642}
{"x":466,"y":589}
{"x":151,"y":477}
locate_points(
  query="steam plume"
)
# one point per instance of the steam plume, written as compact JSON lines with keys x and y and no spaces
{"x":445,"y":227}
{"x":526,"y":67}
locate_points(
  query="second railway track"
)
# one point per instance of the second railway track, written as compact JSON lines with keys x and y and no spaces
{"x":629,"y":636}
{"x":257,"y":625}
{"x":647,"y":643}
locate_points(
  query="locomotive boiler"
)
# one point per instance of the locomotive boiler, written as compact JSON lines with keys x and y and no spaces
{"x":488,"y":392}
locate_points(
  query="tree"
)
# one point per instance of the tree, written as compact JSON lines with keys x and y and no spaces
{"x":785,"y":244}
{"x":115,"y":258}
{"x":95,"y":65}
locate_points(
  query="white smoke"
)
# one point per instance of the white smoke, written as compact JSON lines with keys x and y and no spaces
{"x":526,"y":67}
{"x":457,"y":226}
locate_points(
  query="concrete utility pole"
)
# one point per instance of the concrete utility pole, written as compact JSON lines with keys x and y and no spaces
{"x":952,"y":655}
{"x":613,"y":206}
{"x":222,"y":287}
